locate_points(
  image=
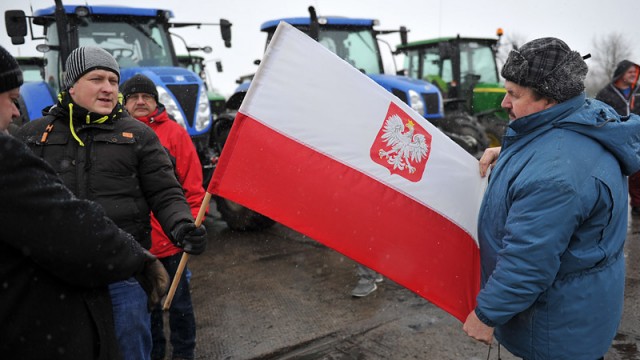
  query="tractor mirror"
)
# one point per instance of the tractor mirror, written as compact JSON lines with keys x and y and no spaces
{"x":16,"y":24}
{"x":403,"y":35}
{"x":225,"y":30}
{"x":446,"y":52}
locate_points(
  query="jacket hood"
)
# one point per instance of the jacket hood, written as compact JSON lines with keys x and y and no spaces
{"x":621,"y":68}
{"x":592,"y":118}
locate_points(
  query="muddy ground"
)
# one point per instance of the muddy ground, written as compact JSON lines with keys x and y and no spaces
{"x":276,"y":294}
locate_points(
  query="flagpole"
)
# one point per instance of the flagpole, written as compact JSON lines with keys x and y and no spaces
{"x":185,"y":256}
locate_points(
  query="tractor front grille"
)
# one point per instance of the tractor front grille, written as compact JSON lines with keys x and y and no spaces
{"x":400,"y":94}
{"x":187,"y":96}
{"x":432,"y":102}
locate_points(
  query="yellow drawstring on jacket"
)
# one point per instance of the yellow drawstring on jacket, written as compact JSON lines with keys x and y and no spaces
{"x":87,"y":120}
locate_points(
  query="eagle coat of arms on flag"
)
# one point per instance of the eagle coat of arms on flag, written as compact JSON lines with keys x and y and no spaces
{"x":402,"y":145}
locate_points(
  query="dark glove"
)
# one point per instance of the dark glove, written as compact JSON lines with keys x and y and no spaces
{"x":154,"y":279}
{"x":192,"y":239}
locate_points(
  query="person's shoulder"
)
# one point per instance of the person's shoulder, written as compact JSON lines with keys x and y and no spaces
{"x":9,"y":144}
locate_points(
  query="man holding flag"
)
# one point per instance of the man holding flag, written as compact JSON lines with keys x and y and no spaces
{"x":553,"y":220}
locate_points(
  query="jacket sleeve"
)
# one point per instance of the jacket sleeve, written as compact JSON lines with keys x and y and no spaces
{"x":44,"y":222}
{"x":188,"y":167}
{"x":541,"y":220}
{"x":159,"y":184}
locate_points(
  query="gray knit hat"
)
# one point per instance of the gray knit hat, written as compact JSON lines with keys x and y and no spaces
{"x":87,"y":58}
{"x":548,"y":66}
{"x":10,"y":73}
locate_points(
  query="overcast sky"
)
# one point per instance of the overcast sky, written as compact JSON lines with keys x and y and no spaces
{"x":576,"y":22}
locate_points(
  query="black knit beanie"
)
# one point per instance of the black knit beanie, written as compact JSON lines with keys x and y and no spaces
{"x":548,"y":66}
{"x":10,"y":73}
{"x":622,"y":68}
{"x":88,"y":58}
{"x":139,"y":84}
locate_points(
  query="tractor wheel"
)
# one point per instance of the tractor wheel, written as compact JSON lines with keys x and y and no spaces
{"x":495,"y":128}
{"x":220,"y":130}
{"x":467,"y":132}
{"x":240,"y":218}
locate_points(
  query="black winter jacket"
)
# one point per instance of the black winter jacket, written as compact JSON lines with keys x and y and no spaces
{"x":122,"y":166}
{"x":57,"y":256}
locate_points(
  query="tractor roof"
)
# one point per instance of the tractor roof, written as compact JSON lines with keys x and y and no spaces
{"x":433,"y":42}
{"x":323,"y":20}
{"x":106,"y":10}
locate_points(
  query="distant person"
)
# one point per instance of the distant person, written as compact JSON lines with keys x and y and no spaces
{"x":623,"y":95}
{"x":103,"y":154}
{"x":553,"y":220}
{"x":58,"y":254}
{"x":141,"y":101}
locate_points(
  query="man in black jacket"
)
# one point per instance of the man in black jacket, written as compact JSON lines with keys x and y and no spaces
{"x":622,"y":94}
{"x":57,"y":255}
{"x":103,"y":154}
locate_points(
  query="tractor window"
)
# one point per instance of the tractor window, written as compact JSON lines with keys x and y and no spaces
{"x":477,"y":63}
{"x":131,"y":43}
{"x":358,"y":47}
{"x":53,"y":67}
{"x":436,"y":69}
{"x":411,"y":64}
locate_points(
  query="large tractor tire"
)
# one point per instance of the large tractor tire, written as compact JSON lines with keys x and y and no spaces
{"x":466,"y":131}
{"x":240,"y":218}
{"x":236,"y":216}
{"x":495,"y":127}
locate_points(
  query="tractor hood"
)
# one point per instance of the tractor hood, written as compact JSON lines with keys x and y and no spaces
{"x":390,"y":82}
{"x":162,"y":75}
{"x":422,"y":96}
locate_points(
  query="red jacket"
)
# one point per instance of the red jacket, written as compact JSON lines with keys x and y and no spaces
{"x":188,"y":169}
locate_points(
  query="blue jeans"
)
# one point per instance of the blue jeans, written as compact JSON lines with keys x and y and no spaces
{"x":132,"y":319}
{"x":182,"y":322}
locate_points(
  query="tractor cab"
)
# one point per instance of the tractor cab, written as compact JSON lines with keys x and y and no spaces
{"x":357,"y":41}
{"x":466,"y":72}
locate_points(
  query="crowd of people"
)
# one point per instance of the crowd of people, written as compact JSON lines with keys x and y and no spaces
{"x":114,"y":185}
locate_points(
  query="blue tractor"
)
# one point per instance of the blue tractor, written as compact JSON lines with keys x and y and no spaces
{"x":139,"y":39}
{"x":356,"y":41}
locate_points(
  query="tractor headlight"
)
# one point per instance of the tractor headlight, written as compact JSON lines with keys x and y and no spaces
{"x":416,"y":102}
{"x":203,"y":117}
{"x":171,"y":106}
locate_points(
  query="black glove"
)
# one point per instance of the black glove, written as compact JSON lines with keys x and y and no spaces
{"x":154,"y":279}
{"x":192,"y":239}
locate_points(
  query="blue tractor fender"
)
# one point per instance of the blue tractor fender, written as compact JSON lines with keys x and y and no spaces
{"x":235,"y":100}
{"x":36,"y":96}
{"x":179,"y":91}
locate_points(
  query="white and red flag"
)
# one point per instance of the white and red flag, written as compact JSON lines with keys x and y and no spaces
{"x":319,"y":147}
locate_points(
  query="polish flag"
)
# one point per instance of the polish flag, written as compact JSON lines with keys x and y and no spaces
{"x":319,"y":147}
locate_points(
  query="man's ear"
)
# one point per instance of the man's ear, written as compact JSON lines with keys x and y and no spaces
{"x":72,"y":91}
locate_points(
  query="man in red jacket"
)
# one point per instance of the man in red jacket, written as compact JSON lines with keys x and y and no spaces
{"x":141,"y":101}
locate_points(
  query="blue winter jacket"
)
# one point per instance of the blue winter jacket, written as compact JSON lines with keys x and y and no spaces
{"x":552,"y":227}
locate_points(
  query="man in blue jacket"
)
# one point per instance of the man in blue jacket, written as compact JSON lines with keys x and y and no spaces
{"x":553,"y":221}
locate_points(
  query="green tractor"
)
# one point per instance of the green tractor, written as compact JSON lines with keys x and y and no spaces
{"x":466,"y":72}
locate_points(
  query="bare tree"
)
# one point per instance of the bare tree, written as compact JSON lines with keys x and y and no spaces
{"x":608,"y":51}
